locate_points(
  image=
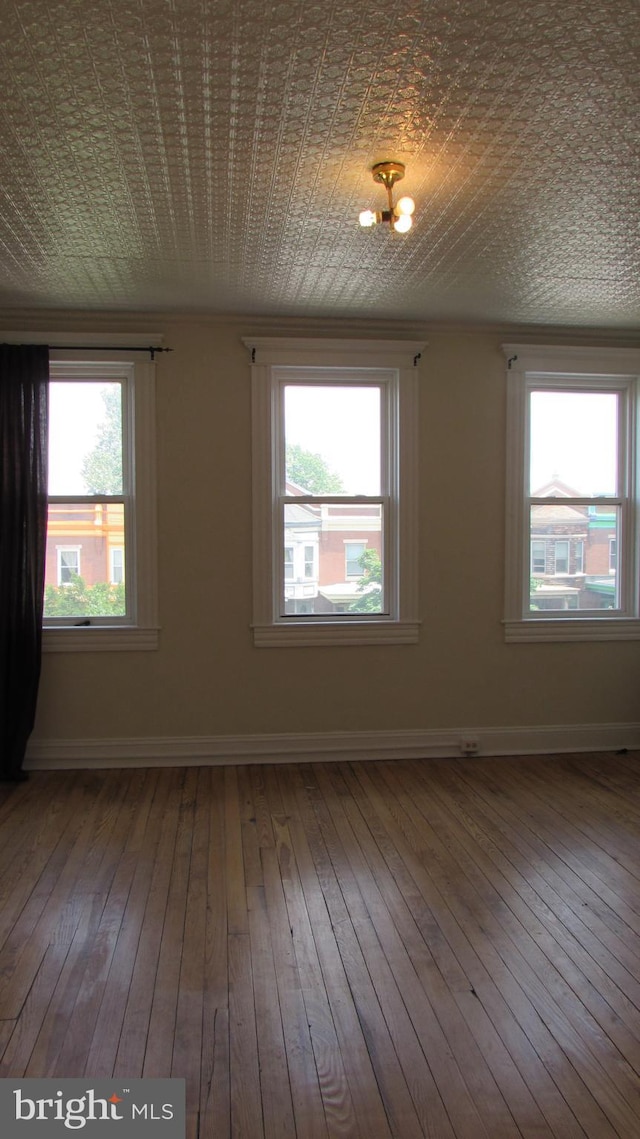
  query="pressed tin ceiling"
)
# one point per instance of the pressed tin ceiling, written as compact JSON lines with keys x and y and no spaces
{"x":212,"y":157}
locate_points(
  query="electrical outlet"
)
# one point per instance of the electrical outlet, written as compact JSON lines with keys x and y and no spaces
{"x":469,"y":745}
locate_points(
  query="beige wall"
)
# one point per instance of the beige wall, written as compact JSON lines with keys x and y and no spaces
{"x":207,"y":678}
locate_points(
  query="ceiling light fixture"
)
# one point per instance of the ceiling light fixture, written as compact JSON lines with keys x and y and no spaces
{"x":398,"y":216}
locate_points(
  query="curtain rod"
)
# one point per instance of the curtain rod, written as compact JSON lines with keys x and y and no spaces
{"x":150,"y":348}
{"x":108,"y":348}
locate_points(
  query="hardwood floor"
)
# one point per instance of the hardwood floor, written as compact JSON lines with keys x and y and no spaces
{"x":440,"y":948}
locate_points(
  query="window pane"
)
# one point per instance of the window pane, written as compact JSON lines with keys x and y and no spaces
{"x":68,"y":565}
{"x":561,"y":553}
{"x":353,"y":554}
{"x":538,"y":557}
{"x":332,"y":558}
{"x":85,"y":564}
{"x":117,"y":565}
{"x":309,"y":561}
{"x":574,"y":437}
{"x":577,"y":571}
{"x":332,"y":439}
{"x":85,"y":438}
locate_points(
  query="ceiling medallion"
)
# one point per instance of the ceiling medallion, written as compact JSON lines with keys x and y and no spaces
{"x":398,"y":216}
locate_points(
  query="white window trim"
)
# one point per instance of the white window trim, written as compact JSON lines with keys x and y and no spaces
{"x":620,"y":366}
{"x":401,"y":625}
{"x":89,"y":348}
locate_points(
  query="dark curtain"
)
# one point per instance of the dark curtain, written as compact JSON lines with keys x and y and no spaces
{"x":24,"y":403}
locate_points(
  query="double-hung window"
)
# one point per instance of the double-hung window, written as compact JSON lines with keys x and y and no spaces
{"x":572,"y":539}
{"x":100,"y":579}
{"x":334,"y":491}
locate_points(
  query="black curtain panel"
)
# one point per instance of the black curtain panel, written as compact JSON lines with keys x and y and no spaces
{"x":24,"y":403}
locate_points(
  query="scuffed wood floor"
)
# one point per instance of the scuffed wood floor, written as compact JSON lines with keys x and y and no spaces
{"x":420,"y":948}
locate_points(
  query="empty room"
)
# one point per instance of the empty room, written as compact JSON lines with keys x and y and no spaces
{"x":320,"y":569}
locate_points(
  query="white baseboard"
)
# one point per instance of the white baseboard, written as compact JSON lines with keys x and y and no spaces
{"x":291,"y":747}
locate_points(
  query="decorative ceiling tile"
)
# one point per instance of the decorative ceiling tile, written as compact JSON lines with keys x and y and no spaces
{"x":213,"y":156}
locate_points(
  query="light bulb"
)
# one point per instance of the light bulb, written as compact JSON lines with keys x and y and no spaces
{"x":403,"y":223}
{"x":405,"y":206}
{"x":367,"y":218}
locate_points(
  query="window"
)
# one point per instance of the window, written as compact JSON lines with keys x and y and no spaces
{"x":100,"y":582}
{"x":538,"y":556}
{"x":117,"y":565}
{"x":572,"y":489}
{"x":68,"y":563}
{"x":334,"y":462}
{"x":353,"y":552}
{"x":562,"y":556}
{"x":309,"y":561}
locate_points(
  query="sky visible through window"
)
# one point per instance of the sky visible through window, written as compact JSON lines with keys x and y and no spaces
{"x":342,"y":424}
{"x":574,"y":439}
{"x":76,"y":412}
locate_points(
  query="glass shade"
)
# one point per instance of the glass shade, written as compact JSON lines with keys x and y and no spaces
{"x":405,"y":206}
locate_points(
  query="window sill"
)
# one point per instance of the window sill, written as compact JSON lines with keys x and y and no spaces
{"x":315,"y":635}
{"x":98,"y":638}
{"x":573,"y":629}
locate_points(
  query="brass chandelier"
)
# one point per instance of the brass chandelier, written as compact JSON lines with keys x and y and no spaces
{"x":398,"y":216}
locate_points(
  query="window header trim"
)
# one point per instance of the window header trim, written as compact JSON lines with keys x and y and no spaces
{"x":565,"y":360}
{"x":329,"y":353}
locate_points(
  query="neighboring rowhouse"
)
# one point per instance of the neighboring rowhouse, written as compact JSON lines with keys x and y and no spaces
{"x":573,"y":553}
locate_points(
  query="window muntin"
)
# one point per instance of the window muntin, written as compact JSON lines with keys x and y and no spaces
{"x":571,"y":452}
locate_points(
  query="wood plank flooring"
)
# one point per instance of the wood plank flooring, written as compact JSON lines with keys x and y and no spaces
{"x":371,"y":950}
